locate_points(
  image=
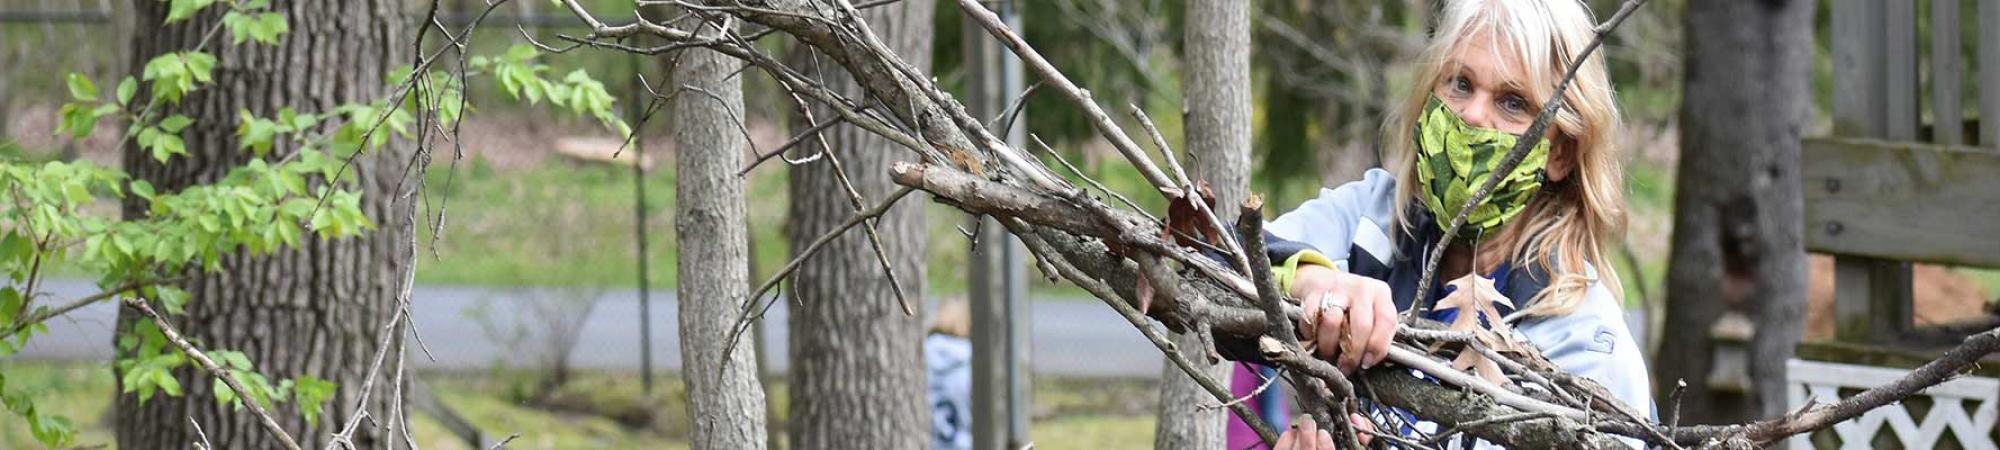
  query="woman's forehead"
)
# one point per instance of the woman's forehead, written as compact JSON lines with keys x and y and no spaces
{"x":1478,"y":52}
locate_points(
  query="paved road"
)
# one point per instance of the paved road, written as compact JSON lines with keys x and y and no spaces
{"x":1071,"y":337}
{"x":1079,"y":337}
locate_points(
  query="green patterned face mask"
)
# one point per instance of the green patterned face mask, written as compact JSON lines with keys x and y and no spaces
{"x":1454,"y":159}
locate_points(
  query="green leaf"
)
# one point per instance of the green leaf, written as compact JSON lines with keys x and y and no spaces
{"x":171,"y":298}
{"x":52,"y":430}
{"x":142,"y":189}
{"x":175,"y":123}
{"x":231,"y":359}
{"x":81,"y":88}
{"x":166,"y":146}
{"x":167,"y":383}
{"x":302,"y":122}
{"x":147,"y":136}
{"x":175,"y":74}
{"x":239,"y":25}
{"x":126,"y":88}
{"x":16,"y":247}
{"x":224,"y":395}
{"x":78,"y":120}
{"x":522,"y":52}
{"x":199,"y":64}
{"x":10,"y":304}
{"x":179,"y":10}
{"x":269,"y":27}
{"x":309,"y":393}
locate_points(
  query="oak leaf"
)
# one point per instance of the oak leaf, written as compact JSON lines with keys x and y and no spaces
{"x":1475,"y":297}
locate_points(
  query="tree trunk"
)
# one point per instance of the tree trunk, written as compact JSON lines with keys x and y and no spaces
{"x":1738,"y":241}
{"x":857,"y":361}
{"x":316,"y":310}
{"x":724,"y":398}
{"x":1218,"y":152}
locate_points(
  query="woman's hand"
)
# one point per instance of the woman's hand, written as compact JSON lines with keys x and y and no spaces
{"x":1306,"y":435}
{"x":1349,"y":317}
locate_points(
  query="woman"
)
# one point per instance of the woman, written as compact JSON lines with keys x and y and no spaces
{"x":1354,"y":255}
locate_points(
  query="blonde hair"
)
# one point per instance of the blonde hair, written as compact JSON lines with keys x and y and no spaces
{"x":1566,"y":227}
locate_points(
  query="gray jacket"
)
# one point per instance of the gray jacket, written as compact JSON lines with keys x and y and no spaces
{"x":1354,"y":226}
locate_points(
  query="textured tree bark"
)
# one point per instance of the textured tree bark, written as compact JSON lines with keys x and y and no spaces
{"x":317,"y":310}
{"x":1218,"y":149}
{"x":857,"y":361}
{"x":1738,"y":242}
{"x":725,"y":399}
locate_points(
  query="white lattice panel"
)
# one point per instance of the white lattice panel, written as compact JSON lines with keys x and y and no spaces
{"x":1950,"y":401}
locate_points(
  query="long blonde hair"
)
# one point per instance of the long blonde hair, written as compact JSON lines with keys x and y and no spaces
{"x":1566,"y":228}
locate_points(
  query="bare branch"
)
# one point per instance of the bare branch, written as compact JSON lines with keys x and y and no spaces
{"x":1077,"y":95}
{"x":215,"y":370}
{"x":1235,"y":248}
{"x":44,"y":315}
{"x":749,"y":317}
{"x":1138,"y":320}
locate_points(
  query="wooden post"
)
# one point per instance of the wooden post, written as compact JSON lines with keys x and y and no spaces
{"x":1872,"y":296}
{"x":997,"y":277}
{"x":1947,"y":74}
{"x":633,"y":111}
{"x":1989,"y":74}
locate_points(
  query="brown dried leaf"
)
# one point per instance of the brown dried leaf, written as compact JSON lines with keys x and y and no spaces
{"x":1474,"y":296}
{"x":1480,"y":366}
{"x":1185,"y":222}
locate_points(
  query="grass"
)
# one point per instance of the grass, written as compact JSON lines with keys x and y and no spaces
{"x":1987,"y":278}
{"x":79,"y":392}
{"x":595,"y":410}
{"x":572,"y":224}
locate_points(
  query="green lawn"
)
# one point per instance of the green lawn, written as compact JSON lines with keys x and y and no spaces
{"x":595,"y":410}
{"x":572,"y":224}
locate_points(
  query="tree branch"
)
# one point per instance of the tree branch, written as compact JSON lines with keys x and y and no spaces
{"x":215,"y":370}
{"x":44,"y":315}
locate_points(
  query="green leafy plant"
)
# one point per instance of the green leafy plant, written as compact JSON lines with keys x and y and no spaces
{"x":264,"y":205}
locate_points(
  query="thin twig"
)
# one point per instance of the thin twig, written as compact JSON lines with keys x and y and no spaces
{"x":795,"y":141}
{"x":874,"y":239}
{"x":1193,"y":193}
{"x":1139,"y":321}
{"x":1250,"y":229}
{"x":1048,"y":73}
{"x":203,"y":436}
{"x":45,"y":314}
{"x":1261,"y":387}
{"x":216,"y":370}
{"x":503,"y":442}
{"x":748,"y":317}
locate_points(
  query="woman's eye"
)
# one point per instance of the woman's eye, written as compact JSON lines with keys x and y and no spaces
{"x":1514,"y":104}
{"x":1461,"y":85}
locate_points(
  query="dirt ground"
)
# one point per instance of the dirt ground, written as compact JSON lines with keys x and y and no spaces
{"x":1942,"y":295}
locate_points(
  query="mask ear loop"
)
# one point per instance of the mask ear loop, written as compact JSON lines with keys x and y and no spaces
{"x":1473,"y":268}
